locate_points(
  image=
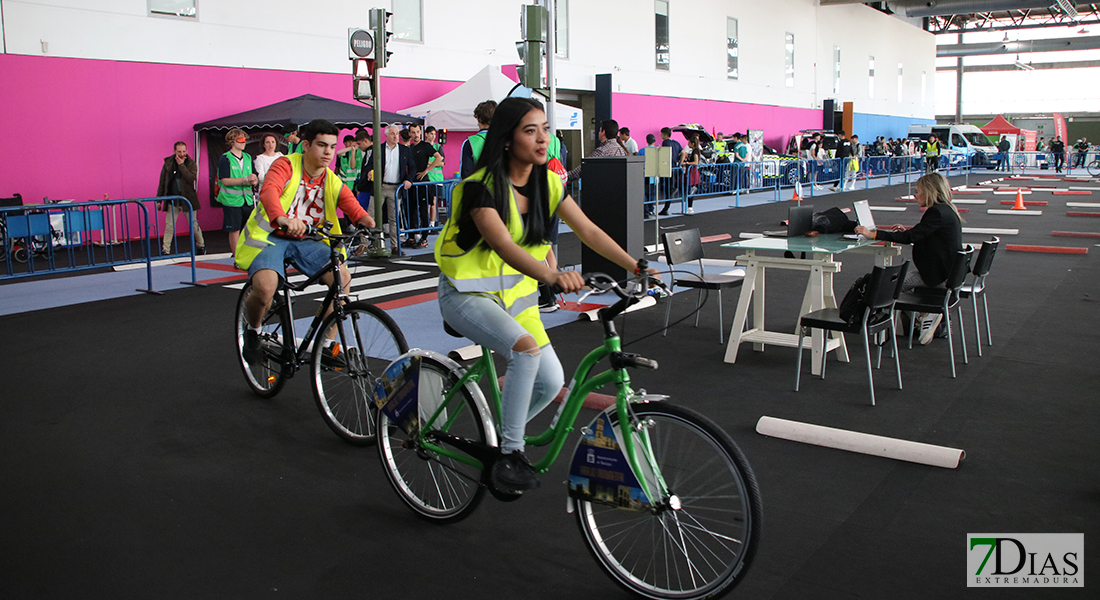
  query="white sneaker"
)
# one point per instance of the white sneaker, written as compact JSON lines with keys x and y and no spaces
{"x":690,"y":211}
{"x":928,"y":325}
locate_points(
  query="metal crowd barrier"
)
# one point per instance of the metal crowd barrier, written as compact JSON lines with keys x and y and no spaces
{"x":58,"y":237}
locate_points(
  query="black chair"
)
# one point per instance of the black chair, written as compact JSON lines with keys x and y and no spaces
{"x":686,"y":246}
{"x":941,"y":301}
{"x":878,"y":316}
{"x":977,"y":288}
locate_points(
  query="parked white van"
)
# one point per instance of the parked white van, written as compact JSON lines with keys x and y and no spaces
{"x":959,"y":140}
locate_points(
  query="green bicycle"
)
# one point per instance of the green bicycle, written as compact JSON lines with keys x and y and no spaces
{"x":665,"y":500}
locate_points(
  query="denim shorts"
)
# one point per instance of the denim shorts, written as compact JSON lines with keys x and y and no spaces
{"x":309,"y":256}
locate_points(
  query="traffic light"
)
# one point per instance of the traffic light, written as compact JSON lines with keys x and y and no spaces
{"x":531,"y":49}
{"x":379,"y":23}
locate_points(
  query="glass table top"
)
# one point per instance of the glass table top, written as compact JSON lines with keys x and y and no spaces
{"x":826,"y":243}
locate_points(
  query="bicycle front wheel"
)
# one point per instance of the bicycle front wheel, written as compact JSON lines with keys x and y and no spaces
{"x":699,"y":542}
{"x":268,"y":377}
{"x":438,"y":488}
{"x":365,"y":340}
{"x":1094,"y":168}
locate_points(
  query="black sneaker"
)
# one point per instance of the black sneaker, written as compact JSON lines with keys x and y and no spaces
{"x":200,"y":250}
{"x":512,"y":473}
{"x":548,"y":307}
{"x":253,"y":351}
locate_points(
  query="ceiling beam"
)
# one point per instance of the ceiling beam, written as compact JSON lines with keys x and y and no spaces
{"x":1078,"y":64}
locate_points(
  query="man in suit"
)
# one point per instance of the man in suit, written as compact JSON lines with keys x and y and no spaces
{"x":398,"y":170}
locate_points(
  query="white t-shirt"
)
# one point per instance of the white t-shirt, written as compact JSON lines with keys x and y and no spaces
{"x":263,"y":163}
{"x":631,"y":146}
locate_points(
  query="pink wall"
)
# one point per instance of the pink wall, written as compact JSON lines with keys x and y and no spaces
{"x":80,"y":129}
{"x":648,"y":114}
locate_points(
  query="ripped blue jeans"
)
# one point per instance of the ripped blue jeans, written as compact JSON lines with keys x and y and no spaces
{"x":532,"y":379}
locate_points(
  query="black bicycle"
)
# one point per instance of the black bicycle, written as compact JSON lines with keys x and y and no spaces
{"x":347,"y":350}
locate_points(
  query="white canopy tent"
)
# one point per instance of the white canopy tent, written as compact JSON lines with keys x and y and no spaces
{"x":454,"y":110}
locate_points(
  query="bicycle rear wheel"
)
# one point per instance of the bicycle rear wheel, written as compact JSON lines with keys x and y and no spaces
{"x":268,"y":377}
{"x":701,"y":549}
{"x":366,"y":341}
{"x":435,"y":487}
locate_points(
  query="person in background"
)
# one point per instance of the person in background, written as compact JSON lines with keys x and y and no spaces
{"x":263,"y":160}
{"x":425,"y":157}
{"x":629,"y":144}
{"x":364,"y":141}
{"x":1003,"y":147}
{"x":236,"y":176}
{"x":1082,"y":148}
{"x":349,"y":160}
{"x":936,"y":239}
{"x":852,"y":166}
{"x":435,"y":173}
{"x":471,"y":148}
{"x":669,"y":185}
{"x":398,"y":170}
{"x":932,"y":154}
{"x":650,"y":182}
{"x":293,"y":142}
{"x":690,"y":162}
{"x":1041,"y":144}
{"x":610,"y":145}
{"x":1058,"y":149}
{"x":740,"y":148}
{"x":177,"y":178}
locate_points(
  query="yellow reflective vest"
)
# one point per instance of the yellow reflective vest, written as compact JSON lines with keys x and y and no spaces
{"x":480,"y":270}
{"x":254,"y":238}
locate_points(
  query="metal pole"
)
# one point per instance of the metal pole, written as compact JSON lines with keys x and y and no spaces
{"x":379,"y":247}
{"x":551,"y":51}
{"x":959,"y":86}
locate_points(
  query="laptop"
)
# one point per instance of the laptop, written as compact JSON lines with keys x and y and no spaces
{"x":800,"y":219}
{"x":863,"y":216}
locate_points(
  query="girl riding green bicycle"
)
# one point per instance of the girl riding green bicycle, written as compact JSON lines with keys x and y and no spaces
{"x":491,"y":253}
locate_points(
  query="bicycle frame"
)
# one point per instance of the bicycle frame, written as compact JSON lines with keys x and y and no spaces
{"x":582,"y":384}
{"x":301,"y":354}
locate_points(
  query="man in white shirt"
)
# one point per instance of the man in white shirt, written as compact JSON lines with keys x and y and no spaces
{"x":398,"y":169}
{"x":628,"y":142}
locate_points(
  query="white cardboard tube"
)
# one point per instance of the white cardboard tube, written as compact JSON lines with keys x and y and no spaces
{"x":864,"y":443}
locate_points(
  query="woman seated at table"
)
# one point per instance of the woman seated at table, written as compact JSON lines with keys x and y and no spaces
{"x":935,"y":239}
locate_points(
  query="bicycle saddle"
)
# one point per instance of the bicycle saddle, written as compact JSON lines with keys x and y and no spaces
{"x":451,"y":330}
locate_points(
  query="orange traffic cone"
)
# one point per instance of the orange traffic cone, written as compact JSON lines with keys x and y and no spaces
{"x":1019,"y":201}
{"x":796,"y":197}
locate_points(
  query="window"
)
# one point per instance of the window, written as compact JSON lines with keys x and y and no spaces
{"x":661,"y":9}
{"x":408,"y":24}
{"x":836,"y":69}
{"x":871,"y":77}
{"x":187,"y":9}
{"x":901,"y":72}
{"x":561,"y":28}
{"x":731,"y":48}
{"x":923,"y":87}
{"x":789,"y":63}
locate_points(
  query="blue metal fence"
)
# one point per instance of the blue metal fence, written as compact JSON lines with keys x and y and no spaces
{"x":59,"y":237}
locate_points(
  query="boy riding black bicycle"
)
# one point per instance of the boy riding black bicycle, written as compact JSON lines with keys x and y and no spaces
{"x":299,"y":192}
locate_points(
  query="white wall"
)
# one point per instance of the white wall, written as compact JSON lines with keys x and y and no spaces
{"x":460,"y":37}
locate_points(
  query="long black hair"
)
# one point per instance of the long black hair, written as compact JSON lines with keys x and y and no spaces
{"x":496,"y":160}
